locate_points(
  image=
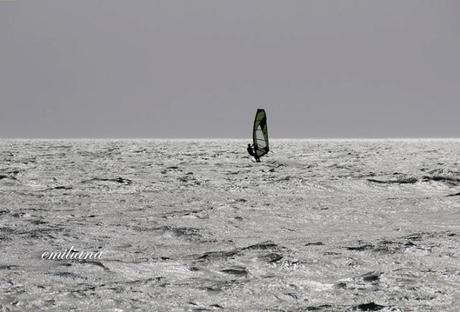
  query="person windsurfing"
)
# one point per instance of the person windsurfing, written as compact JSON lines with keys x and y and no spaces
{"x":259,"y":145}
{"x":251,"y":152}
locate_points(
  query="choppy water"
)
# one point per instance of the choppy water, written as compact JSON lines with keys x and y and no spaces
{"x":196,"y":226}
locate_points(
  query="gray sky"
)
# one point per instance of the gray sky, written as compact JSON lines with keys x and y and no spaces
{"x":201,"y":68}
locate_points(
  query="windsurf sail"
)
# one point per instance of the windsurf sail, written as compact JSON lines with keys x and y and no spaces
{"x":260,"y":134}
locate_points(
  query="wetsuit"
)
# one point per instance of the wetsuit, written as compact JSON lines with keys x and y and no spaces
{"x":251,"y":152}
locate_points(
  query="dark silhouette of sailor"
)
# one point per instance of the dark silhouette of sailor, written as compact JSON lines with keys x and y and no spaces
{"x":252,"y":153}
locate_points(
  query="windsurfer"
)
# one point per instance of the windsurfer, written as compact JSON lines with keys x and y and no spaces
{"x":252,"y":153}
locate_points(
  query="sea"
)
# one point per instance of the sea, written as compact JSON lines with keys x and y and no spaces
{"x":196,"y":225}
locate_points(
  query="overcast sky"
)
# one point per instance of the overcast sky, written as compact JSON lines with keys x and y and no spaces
{"x":201,"y":68}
